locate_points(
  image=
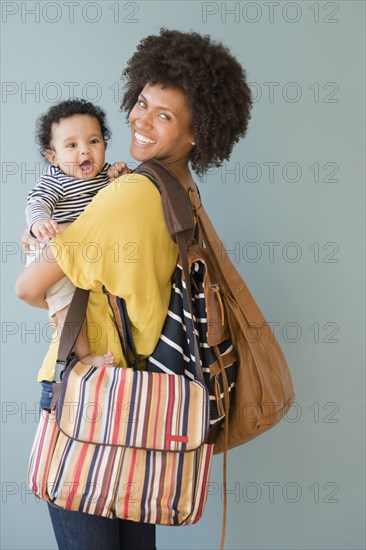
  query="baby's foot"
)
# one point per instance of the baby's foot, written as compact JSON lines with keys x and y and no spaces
{"x":106,"y":360}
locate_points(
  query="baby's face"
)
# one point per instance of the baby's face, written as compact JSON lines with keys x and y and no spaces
{"x":78,"y":147}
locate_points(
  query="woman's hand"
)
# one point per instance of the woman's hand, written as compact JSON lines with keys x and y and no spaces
{"x":29,"y":244}
{"x":117,"y":169}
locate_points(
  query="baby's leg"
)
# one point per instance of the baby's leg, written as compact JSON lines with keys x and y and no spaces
{"x":81,"y":348}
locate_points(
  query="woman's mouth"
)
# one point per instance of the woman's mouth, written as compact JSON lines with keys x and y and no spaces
{"x":143,"y":140}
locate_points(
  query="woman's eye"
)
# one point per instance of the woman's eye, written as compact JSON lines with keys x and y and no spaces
{"x":164,"y":116}
{"x":141,"y":103}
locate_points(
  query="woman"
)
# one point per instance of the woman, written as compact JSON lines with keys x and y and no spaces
{"x":187,"y":101}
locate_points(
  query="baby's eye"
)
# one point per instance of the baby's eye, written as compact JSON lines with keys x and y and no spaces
{"x":71,"y":145}
{"x":94,"y":141}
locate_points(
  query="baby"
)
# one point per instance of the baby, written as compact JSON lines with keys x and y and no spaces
{"x":73,"y":137}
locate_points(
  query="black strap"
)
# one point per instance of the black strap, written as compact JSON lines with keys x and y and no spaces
{"x":70,"y":331}
{"x":119,"y":310}
{"x":131,"y":349}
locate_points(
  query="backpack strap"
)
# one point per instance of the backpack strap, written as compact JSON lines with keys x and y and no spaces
{"x":177,"y":208}
{"x":180,"y":222}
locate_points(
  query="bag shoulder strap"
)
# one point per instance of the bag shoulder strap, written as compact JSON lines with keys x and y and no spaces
{"x":71,"y":329}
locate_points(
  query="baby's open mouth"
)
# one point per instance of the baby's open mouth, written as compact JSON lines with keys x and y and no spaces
{"x":87,"y":166}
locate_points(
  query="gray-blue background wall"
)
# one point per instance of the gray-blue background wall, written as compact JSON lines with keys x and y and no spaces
{"x":289,"y":206}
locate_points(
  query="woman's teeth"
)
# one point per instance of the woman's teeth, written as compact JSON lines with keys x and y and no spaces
{"x":142,"y":139}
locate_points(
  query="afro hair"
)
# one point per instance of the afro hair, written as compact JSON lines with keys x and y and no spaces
{"x":214,"y":84}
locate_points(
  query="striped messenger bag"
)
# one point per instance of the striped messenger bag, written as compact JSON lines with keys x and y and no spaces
{"x":120,"y":442}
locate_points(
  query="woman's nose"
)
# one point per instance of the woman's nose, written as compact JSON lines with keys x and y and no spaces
{"x":144,"y":120}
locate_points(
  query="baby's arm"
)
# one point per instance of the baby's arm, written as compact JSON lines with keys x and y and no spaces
{"x":41,"y":204}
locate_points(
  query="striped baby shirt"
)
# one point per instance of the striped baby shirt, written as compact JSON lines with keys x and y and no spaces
{"x":61,"y":197}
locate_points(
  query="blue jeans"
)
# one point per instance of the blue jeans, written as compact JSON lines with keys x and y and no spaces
{"x":46,"y":395}
{"x":80,"y":531}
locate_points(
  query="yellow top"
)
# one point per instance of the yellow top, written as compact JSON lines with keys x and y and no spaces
{"x":121,"y":241}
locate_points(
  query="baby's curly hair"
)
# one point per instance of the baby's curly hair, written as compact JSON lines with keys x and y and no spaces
{"x":212,"y":80}
{"x":66,"y":109}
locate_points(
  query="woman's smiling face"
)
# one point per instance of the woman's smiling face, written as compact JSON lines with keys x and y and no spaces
{"x":161,"y":125}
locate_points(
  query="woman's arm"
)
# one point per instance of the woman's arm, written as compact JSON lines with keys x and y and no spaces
{"x":33,"y":282}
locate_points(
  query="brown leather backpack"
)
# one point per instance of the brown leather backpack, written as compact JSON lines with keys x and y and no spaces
{"x":263,"y":385}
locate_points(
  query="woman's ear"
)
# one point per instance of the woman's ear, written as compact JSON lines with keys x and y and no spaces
{"x":50,"y":156}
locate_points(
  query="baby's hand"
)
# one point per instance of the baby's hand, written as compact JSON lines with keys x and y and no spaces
{"x":117,"y":169}
{"x":45,"y":229}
